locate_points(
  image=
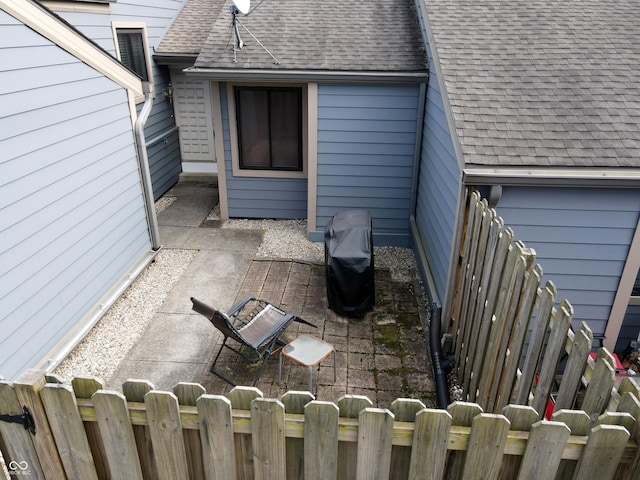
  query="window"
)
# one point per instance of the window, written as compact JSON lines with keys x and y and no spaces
{"x":131,"y":45}
{"x":269,"y":123}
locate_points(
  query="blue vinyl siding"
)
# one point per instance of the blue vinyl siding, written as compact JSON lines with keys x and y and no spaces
{"x":366,"y":150}
{"x":438,"y":188}
{"x":581,"y":238}
{"x":72,"y":216}
{"x":259,"y":197}
{"x":165,"y":163}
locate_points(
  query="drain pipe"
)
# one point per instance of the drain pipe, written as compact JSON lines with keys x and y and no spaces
{"x":145,"y":172}
{"x":442,"y":383}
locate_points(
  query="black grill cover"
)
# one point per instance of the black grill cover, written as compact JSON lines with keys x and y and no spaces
{"x":348,"y":259}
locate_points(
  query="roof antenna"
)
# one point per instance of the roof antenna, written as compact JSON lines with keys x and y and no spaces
{"x":243,"y":6}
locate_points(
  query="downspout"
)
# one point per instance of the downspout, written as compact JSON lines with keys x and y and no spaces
{"x":145,"y":172}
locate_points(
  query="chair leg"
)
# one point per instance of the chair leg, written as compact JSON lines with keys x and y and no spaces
{"x":213,"y":370}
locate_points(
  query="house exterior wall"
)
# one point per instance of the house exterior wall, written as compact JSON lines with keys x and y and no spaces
{"x":438,"y":189}
{"x":581,"y":237}
{"x":365,"y":160}
{"x":160,"y":129}
{"x":72,"y":215}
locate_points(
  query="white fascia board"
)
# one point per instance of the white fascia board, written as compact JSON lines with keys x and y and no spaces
{"x":49,"y":26}
{"x":559,"y":176}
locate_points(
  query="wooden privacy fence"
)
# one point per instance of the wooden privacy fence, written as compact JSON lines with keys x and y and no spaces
{"x":499,"y":307}
{"x":85,"y":432}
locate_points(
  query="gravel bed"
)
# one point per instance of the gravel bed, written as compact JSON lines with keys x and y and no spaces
{"x":287,"y":239}
{"x":107,"y":344}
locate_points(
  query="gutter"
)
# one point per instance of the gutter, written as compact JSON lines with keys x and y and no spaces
{"x":614,"y":177}
{"x":274,"y":75}
{"x":145,"y":172}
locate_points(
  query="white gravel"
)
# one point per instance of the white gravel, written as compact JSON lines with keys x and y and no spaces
{"x":287,"y":239}
{"x":107,"y":344}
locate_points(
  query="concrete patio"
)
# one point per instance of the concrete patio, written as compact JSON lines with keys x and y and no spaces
{"x":383,"y":355}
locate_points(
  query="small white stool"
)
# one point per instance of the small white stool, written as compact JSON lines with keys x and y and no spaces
{"x":307,"y":351}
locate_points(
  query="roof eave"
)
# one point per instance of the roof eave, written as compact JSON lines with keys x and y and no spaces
{"x":600,"y":177}
{"x":279,"y":75}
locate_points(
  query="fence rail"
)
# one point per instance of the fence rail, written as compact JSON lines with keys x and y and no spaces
{"x":84,"y":431}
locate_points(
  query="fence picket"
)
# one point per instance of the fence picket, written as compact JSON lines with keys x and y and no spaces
{"x":268,"y":436}
{"x":487,"y":440}
{"x":17,"y":442}
{"x":555,"y":347}
{"x":521,"y":419}
{"x":575,"y":366}
{"x":241,"y":398}
{"x":216,"y":437}
{"x":404,"y":410}
{"x":602,"y":452}
{"x":321,"y":441}
{"x":27,"y":388}
{"x":134,"y":391}
{"x":579,"y":424}
{"x":543,"y":453}
{"x":595,"y":398}
{"x":350,"y":407}
{"x":375,"y":433}
{"x":188,"y":394}
{"x":518,"y":335}
{"x":491,"y":298}
{"x":430,"y":439}
{"x":68,"y":431}
{"x":468,"y":271}
{"x":117,"y":435}
{"x":294,"y":402}
{"x":462,"y":414}
{"x":165,"y":427}
{"x":543,"y":314}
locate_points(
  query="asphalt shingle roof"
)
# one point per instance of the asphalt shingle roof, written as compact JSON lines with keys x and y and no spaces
{"x":542,"y":82}
{"x":374,"y":35}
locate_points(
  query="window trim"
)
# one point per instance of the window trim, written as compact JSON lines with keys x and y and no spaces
{"x":233,"y":133}
{"x":115,"y":26}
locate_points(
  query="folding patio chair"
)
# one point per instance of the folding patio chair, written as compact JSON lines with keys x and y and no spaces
{"x":254,"y":324}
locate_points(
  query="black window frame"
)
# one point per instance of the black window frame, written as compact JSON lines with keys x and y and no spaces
{"x":299,"y":167}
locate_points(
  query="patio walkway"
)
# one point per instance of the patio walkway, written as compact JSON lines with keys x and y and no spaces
{"x":383,"y":355}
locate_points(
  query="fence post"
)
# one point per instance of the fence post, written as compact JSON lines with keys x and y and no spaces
{"x":241,"y":398}
{"x":601,"y":455}
{"x":404,"y":410}
{"x":134,"y":391}
{"x":543,"y":453}
{"x":27,"y":388}
{"x":521,"y":418}
{"x":350,"y":407}
{"x":487,"y":440}
{"x":462,"y":414}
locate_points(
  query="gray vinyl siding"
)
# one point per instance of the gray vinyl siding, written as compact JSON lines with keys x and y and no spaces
{"x":438,"y":188}
{"x":259,"y":197}
{"x":581,"y":238}
{"x":165,"y":163}
{"x":366,"y":151}
{"x":72,"y":216}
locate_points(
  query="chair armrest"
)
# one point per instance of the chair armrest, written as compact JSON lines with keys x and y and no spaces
{"x":302,"y":320}
{"x":236,"y":307}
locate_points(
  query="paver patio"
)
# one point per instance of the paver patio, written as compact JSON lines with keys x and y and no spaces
{"x":383,"y":355}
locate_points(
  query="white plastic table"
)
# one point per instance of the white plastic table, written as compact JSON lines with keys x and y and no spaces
{"x":307,"y":351}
